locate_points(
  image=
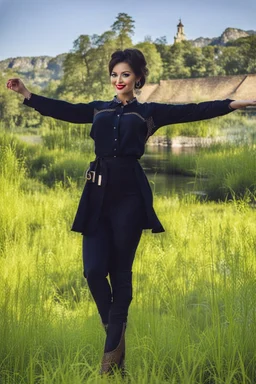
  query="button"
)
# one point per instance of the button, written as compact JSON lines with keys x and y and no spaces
{"x":115,"y":139}
{"x":114,"y":156}
{"x":114,"y":149}
{"x":114,"y":127}
{"x":122,"y":106}
{"x":118,"y":115}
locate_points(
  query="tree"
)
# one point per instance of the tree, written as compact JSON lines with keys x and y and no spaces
{"x":247,"y":50}
{"x":12,"y":113}
{"x":211,"y":54}
{"x":124,"y":28}
{"x":78,"y":69}
{"x":176,"y":60}
{"x":153,"y":60}
{"x":161,"y":40}
{"x":163,"y":49}
{"x":148,"y":39}
{"x":194,"y":60}
{"x":232,"y":61}
{"x":86,"y":74}
{"x":105,"y":44}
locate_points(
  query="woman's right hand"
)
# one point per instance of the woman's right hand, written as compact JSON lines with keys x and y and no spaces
{"x":18,"y":86}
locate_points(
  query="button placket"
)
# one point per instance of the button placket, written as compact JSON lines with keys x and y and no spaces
{"x":116,"y":131}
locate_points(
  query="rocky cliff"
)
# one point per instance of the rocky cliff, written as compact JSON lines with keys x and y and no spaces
{"x":39,"y":70}
{"x":228,"y":35}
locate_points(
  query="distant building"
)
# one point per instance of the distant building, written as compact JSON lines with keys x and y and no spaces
{"x":180,"y":35}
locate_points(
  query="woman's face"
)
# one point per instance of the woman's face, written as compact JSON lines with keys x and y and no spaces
{"x":123,"y":79}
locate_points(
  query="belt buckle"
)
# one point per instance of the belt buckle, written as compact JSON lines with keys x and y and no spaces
{"x":90,"y":175}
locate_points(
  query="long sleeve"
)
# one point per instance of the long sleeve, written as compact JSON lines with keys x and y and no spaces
{"x":62,"y":110}
{"x":164,"y":114}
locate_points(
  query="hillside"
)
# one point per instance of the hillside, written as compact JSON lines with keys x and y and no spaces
{"x":230,"y":34}
{"x":37,"y":70}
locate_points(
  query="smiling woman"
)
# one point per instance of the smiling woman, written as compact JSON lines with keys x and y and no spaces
{"x":128,"y":73}
{"x":123,"y":79}
{"x":117,"y":203}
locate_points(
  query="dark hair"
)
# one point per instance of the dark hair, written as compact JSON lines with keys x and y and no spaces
{"x":135,"y":58}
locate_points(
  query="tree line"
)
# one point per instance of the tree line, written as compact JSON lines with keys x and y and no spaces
{"x":86,"y":66}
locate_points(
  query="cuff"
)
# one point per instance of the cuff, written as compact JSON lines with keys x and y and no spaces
{"x":29,"y":101}
{"x":230,"y":108}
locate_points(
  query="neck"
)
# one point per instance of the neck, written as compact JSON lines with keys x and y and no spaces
{"x":125,"y":98}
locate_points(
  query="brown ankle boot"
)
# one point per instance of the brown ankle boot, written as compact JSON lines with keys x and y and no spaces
{"x":115,"y":359}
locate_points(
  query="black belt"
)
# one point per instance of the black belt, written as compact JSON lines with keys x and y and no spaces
{"x":97,"y":168}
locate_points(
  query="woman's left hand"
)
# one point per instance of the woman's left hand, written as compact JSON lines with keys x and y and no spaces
{"x":236,"y":104}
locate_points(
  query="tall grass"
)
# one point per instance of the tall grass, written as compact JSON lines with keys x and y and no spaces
{"x":231,"y":171}
{"x":192,"y":319}
{"x":50,"y":166}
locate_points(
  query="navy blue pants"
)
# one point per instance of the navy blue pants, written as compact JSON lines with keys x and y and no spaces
{"x":108,"y":252}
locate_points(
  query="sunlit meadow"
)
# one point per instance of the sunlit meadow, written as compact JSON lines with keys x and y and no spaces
{"x":193,"y":315}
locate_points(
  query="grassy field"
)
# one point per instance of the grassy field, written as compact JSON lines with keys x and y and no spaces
{"x":193,"y":315}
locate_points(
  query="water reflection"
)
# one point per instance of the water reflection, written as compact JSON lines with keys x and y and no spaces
{"x":156,"y":164}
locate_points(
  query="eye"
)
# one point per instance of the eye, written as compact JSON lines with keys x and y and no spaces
{"x":113,"y":75}
{"x":126,"y":74}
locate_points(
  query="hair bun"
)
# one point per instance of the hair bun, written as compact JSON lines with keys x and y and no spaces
{"x":118,"y":55}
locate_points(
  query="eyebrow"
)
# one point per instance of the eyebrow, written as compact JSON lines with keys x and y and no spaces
{"x":122,"y":72}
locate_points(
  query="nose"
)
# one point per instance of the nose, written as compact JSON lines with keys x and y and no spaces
{"x":119,"y":79}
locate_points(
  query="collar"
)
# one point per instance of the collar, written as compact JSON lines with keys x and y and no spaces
{"x":116,"y":100}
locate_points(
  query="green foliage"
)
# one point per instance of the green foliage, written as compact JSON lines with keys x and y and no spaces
{"x":163,"y":50}
{"x":245,"y":49}
{"x":86,"y":74}
{"x":153,"y":60}
{"x":176,"y":61}
{"x":124,"y":28}
{"x":231,"y":61}
{"x":13,"y":115}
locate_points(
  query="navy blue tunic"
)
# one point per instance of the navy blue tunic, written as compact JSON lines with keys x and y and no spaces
{"x":121,"y":131}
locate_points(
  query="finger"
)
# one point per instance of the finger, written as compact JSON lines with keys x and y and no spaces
{"x":9,"y":84}
{"x":15,"y":83}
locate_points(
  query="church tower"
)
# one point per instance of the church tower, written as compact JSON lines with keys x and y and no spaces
{"x":180,"y":35}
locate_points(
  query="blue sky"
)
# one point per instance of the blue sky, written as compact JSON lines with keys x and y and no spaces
{"x":49,"y":27}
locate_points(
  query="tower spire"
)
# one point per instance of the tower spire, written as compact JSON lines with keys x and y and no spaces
{"x":180,"y":35}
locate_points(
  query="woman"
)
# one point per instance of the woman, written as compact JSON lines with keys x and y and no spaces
{"x":116,"y":204}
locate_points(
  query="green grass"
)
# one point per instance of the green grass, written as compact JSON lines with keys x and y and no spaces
{"x":231,"y":171}
{"x":193,"y":315}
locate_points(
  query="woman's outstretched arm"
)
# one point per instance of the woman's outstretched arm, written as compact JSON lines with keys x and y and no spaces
{"x":58,"y":109}
{"x":165,"y":114}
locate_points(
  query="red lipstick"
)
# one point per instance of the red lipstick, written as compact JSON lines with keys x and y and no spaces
{"x":120,"y":86}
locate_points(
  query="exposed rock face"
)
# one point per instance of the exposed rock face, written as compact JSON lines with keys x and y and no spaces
{"x":201,"y":42}
{"x":39,"y":69}
{"x":228,"y":35}
{"x":29,"y":63}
